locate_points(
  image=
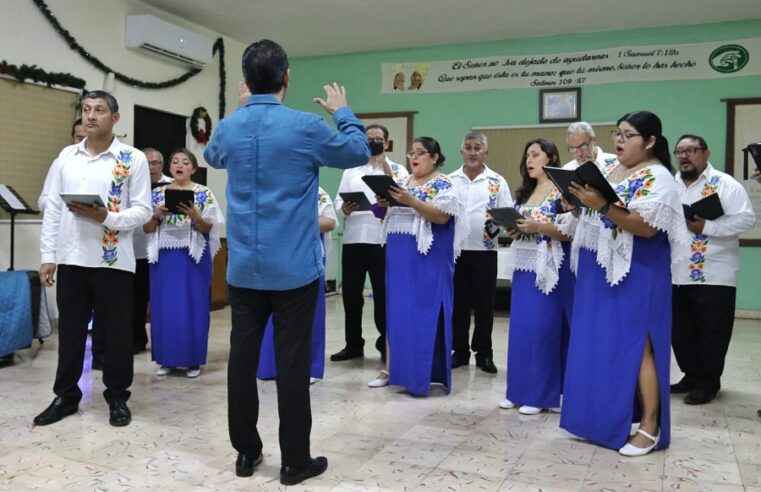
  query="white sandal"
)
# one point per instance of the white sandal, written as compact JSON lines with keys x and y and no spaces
{"x":630,"y":449}
{"x":380,"y":381}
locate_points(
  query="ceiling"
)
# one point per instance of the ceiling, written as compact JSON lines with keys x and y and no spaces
{"x":323,"y":27}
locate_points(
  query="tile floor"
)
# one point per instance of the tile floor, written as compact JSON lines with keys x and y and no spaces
{"x":375,"y":439}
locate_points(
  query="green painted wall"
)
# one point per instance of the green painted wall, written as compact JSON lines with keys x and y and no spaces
{"x":686,"y":106}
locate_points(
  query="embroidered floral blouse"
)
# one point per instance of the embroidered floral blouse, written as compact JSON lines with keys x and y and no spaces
{"x":538,"y":253}
{"x":439,"y":192}
{"x":652,"y":193}
{"x":177,"y":231}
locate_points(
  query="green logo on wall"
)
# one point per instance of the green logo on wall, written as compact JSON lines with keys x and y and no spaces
{"x":729,"y":58}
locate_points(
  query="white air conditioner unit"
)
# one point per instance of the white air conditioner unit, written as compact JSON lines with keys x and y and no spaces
{"x":158,"y":36}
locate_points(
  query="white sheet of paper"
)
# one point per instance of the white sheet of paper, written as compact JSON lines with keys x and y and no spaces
{"x":10,"y":198}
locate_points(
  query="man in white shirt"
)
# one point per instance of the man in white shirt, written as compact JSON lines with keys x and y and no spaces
{"x":91,"y":247}
{"x":582,"y":144}
{"x":705,"y":272}
{"x":475,"y":273}
{"x":141,"y":290}
{"x":77,"y":135}
{"x":362,"y":252}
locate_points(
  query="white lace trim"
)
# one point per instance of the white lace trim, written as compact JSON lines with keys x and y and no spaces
{"x":404,"y":220}
{"x":615,"y":255}
{"x":566,"y":223}
{"x":586,"y":236}
{"x":184,"y":236}
{"x":544,"y":259}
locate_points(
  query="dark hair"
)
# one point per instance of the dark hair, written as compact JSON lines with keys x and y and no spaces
{"x":433,"y":148}
{"x":529,"y":184}
{"x":700,"y":140}
{"x":265,"y":64}
{"x":379,"y":127}
{"x":113,"y":106}
{"x":74,"y":125}
{"x":191,"y":157}
{"x":649,"y":125}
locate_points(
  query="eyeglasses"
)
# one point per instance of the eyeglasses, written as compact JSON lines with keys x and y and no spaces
{"x":689,"y":151}
{"x":416,"y":153}
{"x":579,"y":148}
{"x":623,"y":136}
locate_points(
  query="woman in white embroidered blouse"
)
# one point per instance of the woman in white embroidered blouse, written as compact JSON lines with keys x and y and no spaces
{"x":422,"y":236}
{"x":620,"y":350}
{"x":180,"y":249}
{"x":535,"y":351}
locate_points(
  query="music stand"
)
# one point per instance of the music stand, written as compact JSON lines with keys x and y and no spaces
{"x":11,"y":202}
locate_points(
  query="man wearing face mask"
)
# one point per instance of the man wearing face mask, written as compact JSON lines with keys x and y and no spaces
{"x":362,"y":250}
{"x":705,"y":272}
{"x":475,"y":272}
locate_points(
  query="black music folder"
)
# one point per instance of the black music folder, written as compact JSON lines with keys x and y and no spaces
{"x":175,"y":197}
{"x":586,"y":174}
{"x":357,"y":197}
{"x":380,"y":183}
{"x":506,"y":217}
{"x":707,"y":208}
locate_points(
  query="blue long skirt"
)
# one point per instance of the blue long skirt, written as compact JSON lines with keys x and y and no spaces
{"x":535,"y":343}
{"x":568,"y":281}
{"x":419,"y":295}
{"x":608,"y":332}
{"x":180,"y":297}
{"x":267,"y":366}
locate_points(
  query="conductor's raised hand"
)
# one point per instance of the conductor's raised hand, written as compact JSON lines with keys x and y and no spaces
{"x":335,"y":98}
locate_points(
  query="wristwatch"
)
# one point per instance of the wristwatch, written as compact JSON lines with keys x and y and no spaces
{"x":604,"y":209}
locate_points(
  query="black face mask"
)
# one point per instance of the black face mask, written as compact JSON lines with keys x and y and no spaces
{"x":376,"y":147}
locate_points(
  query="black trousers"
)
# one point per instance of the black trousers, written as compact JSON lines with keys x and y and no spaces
{"x":703,"y":318}
{"x":293,"y":312}
{"x":475,"y":286}
{"x":109,"y":292}
{"x":140,"y":295}
{"x":357,"y":261}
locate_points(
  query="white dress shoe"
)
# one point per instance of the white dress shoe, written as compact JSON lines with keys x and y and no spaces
{"x":163,"y":371}
{"x":630,"y":449}
{"x":506,"y":404}
{"x":527,"y":410}
{"x":313,"y":380}
{"x":380,"y":381}
{"x":193,"y":372}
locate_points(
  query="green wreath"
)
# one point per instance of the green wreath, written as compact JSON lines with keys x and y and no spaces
{"x":202,"y":136}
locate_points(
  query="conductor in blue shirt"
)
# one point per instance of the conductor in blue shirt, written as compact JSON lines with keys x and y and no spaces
{"x":272,"y":155}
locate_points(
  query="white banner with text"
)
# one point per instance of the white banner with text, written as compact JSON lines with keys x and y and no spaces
{"x":620,"y":64}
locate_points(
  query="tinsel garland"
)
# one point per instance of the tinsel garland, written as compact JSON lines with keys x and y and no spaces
{"x":93,"y":60}
{"x":36,"y":74}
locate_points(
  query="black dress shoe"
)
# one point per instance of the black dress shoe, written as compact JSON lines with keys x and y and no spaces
{"x":137,"y":349}
{"x":292,"y":476}
{"x":699,"y":396}
{"x":56,"y":411}
{"x":244,"y":466}
{"x":120,"y":414}
{"x":759,"y":413}
{"x":683,"y":386}
{"x":460,"y":359}
{"x":346,"y":354}
{"x":486,"y":364}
